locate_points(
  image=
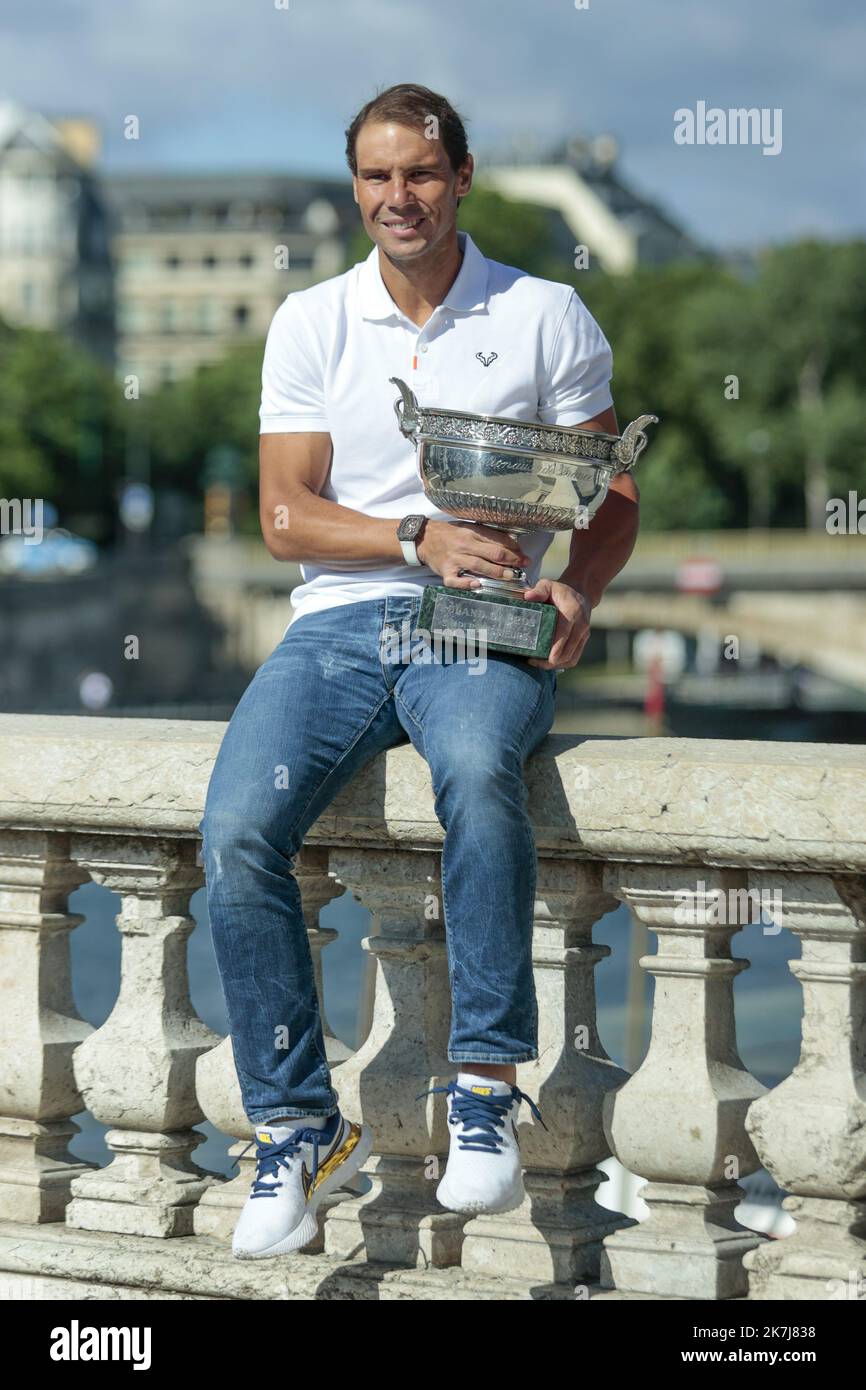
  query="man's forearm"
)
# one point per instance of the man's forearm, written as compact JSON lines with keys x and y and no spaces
{"x":600,"y":550}
{"x":310,"y":528}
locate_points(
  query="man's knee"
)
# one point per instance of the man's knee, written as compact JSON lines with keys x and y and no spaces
{"x":480,"y":769}
{"x":233,"y":835}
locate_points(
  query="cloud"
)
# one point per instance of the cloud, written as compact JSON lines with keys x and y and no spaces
{"x":240,"y":83}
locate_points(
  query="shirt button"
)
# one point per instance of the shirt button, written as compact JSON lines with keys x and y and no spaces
{"x":423,"y":347}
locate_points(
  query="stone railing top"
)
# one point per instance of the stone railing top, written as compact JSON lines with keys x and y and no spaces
{"x":714,"y":802}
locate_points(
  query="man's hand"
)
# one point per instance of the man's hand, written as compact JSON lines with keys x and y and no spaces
{"x":572,"y":625}
{"x":448,"y":546}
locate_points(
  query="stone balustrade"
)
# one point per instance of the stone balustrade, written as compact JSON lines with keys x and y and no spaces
{"x":662,"y":825}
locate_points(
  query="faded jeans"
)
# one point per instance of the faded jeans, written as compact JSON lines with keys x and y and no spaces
{"x":328,"y":699}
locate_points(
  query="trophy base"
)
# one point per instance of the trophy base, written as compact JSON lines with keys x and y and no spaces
{"x":502,"y":622}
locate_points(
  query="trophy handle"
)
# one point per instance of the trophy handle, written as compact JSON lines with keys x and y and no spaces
{"x":406,"y":409}
{"x":632,"y":442}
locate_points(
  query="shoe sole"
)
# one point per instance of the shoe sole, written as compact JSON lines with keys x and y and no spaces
{"x":308,"y":1226}
{"x":479,"y":1208}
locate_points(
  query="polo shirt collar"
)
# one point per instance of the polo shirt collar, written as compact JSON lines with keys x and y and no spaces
{"x":469,"y":291}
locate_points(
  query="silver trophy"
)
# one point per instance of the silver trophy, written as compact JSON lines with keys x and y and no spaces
{"x":517,"y":476}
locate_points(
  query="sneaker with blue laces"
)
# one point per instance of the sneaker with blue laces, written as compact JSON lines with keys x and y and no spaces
{"x":295,"y":1169}
{"x":484,"y":1172}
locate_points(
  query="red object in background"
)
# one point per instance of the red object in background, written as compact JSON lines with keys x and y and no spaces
{"x":697,"y":576}
{"x":654,"y":700}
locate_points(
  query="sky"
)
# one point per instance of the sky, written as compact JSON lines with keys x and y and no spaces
{"x":272,"y":85}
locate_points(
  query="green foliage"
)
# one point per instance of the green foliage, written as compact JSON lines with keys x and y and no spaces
{"x":358,"y":247}
{"x":513,"y":233}
{"x":58,"y":430}
{"x":791,"y":424}
{"x":217,"y":406}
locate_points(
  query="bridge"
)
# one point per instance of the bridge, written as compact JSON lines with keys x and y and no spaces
{"x":798,"y":597}
{"x":664,"y":826}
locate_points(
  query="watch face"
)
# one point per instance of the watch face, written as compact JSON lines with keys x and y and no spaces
{"x":410,"y":527}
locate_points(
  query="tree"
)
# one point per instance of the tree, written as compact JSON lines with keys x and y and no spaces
{"x":58,"y":430}
{"x":216,"y":407}
{"x":795,"y":339}
{"x":813,"y":294}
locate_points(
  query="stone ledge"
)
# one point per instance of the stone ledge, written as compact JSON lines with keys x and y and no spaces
{"x":69,"y":1263}
{"x":663,"y":800}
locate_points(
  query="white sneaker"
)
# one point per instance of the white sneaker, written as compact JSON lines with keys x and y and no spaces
{"x":484,"y":1171}
{"x":295,"y":1169}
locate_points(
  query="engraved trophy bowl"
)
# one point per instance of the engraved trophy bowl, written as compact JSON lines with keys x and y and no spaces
{"x":517,"y":476}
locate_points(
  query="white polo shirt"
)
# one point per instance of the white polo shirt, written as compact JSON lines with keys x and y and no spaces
{"x":502,"y":343}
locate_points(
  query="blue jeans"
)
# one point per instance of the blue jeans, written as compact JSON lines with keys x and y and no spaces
{"x":325,"y":702}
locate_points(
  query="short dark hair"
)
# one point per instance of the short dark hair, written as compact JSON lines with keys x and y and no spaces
{"x":411,"y":105}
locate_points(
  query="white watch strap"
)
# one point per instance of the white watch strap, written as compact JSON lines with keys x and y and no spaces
{"x":410,"y":552}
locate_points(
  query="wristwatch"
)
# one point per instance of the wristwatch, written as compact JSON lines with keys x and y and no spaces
{"x":408,"y":532}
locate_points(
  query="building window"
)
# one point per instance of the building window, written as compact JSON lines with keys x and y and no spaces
{"x":168,"y":371}
{"x":168,"y":316}
{"x":246,"y":260}
{"x":208,"y":316}
{"x":240,"y":213}
{"x":135,"y":218}
{"x":241,"y":315}
{"x":172,"y":262}
{"x":209,"y":262}
{"x":132,"y":316}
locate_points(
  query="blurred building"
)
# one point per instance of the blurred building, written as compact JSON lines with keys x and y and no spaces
{"x":203,"y":260}
{"x":590,"y":203}
{"x":159,"y":274}
{"x":55,"y":262}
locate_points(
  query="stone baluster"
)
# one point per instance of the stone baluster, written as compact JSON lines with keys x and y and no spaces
{"x":810,"y":1130}
{"x":556,"y":1235}
{"x":405,"y":1052}
{"x":217,"y":1087}
{"x":680,"y":1119}
{"x":137,"y":1072}
{"x":39,"y":1027}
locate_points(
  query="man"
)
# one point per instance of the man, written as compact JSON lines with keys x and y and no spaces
{"x":337,"y":481}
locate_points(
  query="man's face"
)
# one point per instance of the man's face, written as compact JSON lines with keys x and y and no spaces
{"x":406,"y":189}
